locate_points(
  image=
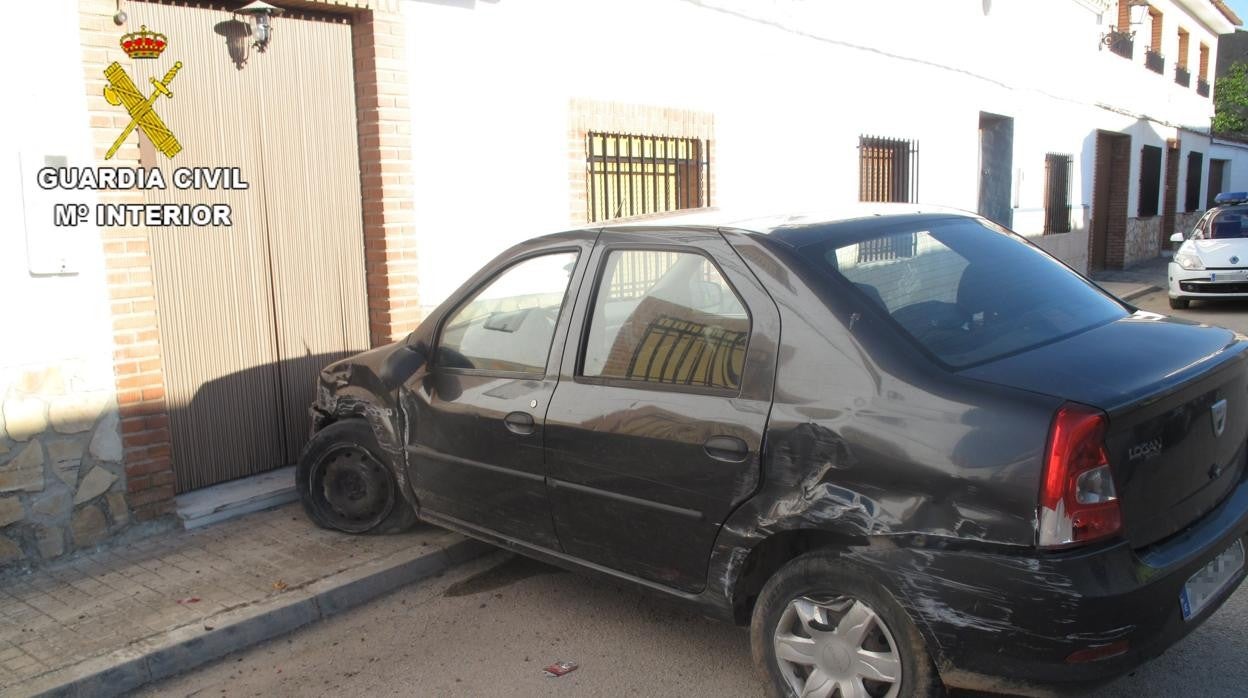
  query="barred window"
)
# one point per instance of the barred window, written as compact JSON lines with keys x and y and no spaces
{"x":888,"y":169}
{"x":632,"y":175}
{"x":1057,"y":193}
{"x":1191,"y":197}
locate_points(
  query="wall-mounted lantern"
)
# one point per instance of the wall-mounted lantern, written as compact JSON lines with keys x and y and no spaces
{"x":261,"y":14}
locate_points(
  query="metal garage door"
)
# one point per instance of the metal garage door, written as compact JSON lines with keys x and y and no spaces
{"x":250,"y":313}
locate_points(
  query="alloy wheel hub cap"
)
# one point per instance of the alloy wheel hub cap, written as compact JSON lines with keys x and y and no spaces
{"x":836,"y":647}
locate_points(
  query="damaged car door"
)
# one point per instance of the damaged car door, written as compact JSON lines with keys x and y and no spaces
{"x":475,"y":437}
{"x":655,"y":429}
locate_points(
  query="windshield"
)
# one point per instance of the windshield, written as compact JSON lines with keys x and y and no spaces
{"x":968,"y":293}
{"x":1230,"y":222}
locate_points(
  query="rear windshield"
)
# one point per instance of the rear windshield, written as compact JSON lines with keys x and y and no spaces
{"x":1230,"y":222}
{"x":968,"y":293}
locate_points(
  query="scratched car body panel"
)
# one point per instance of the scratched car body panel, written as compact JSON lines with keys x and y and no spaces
{"x":908,"y":435}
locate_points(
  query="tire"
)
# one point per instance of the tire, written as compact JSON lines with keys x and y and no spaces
{"x":821,"y":588}
{"x":346,"y":484}
{"x":1180,"y":303}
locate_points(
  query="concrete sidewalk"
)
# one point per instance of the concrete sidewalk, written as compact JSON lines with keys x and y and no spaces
{"x":1135,"y":281}
{"x":106,"y":622}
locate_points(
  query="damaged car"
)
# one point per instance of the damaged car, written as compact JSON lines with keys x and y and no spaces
{"x":908,"y":450}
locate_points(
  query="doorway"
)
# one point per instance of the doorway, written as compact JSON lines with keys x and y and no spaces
{"x":1110,"y":183}
{"x":250,"y":313}
{"x":996,"y":163}
{"x":1217,"y":176}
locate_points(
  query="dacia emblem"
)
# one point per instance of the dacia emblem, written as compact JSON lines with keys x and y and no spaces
{"x":1234,"y":259}
{"x":1218,"y":412}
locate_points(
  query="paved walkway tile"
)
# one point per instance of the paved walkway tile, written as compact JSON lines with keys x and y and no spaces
{"x":96,"y":603}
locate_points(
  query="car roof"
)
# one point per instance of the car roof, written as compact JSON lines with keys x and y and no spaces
{"x":799,"y":229}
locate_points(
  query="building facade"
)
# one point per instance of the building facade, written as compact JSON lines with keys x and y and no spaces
{"x":389,"y":148}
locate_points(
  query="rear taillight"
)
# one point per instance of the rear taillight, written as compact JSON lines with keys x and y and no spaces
{"x":1078,"y":502}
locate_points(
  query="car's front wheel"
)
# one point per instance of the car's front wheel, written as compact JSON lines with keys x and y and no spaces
{"x":821,"y":628}
{"x":345,"y":484}
{"x":1180,"y":303}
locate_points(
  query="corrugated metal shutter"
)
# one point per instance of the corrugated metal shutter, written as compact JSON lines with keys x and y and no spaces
{"x":250,"y":313}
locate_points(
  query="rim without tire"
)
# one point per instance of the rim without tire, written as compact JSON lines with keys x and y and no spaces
{"x":355,"y":490}
{"x":837,"y":647}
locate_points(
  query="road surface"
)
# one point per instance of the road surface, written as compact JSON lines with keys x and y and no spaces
{"x":487,"y":628}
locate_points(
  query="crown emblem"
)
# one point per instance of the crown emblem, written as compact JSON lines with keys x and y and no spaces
{"x":144,"y":44}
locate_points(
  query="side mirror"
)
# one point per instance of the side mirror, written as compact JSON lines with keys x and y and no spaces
{"x":1177,"y":237}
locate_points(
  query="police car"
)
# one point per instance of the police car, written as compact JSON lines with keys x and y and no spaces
{"x":1212,"y":261}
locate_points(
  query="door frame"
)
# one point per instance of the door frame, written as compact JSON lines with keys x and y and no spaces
{"x":1110,"y":189}
{"x":388,"y":234}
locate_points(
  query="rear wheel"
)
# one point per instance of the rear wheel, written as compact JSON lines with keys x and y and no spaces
{"x":821,"y":628}
{"x":346,"y":485}
{"x":1180,"y":303}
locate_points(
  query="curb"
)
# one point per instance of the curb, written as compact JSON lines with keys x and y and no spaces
{"x":182,"y":649}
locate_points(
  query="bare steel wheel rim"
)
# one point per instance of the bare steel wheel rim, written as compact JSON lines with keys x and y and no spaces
{"x":837,"y":646}
{"x":351,"y":488}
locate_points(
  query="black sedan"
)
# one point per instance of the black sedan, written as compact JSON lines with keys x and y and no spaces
{"x":909,"y":451}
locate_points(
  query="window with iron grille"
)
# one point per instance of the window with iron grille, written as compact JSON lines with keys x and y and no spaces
{"x":1191,"y":196}
{"x":1150,"y":180}
{"x":1057,"y":193}
{"x":632,"y":175}
{"x":886,"y":248}
{"x":888,"y":169}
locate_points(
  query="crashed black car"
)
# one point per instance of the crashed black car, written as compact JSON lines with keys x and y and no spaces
{"x":907,"y":450}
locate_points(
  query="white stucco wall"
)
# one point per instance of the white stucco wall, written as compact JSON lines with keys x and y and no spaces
{"x":49,"y":317}
{"x":791,"y":86}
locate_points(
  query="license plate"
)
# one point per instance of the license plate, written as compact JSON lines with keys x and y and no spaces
{"x":1228,"y":276}
{"x":1205,"y":585}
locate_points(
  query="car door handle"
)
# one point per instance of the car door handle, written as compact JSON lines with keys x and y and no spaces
{"x":519,"y":423}
{"x":729,"y":449}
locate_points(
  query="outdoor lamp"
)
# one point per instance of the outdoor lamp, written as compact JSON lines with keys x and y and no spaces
{"x":261,"y":14}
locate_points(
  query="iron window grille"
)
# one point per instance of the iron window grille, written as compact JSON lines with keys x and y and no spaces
{"x":1183,"y":76}
{"x":633,"y":175}
{"x":1191,"y":197}
{"x":1154,"y":61}
{"x":1057,"y":169}
{"x":1121,"y":43}
{"x":888,"y":247}
{"x":888,"y":169}
{"x":1202,"y":87}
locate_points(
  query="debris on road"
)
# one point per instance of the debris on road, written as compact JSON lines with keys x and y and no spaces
{"x":558,"y":669}
{"x":189,"y":600}
{"x":279,"y":585}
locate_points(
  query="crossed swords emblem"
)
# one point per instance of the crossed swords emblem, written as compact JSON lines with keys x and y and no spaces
{"x":122,"y":90}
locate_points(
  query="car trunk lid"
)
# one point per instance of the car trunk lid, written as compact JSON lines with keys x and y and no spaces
{"x":1177,"y":399}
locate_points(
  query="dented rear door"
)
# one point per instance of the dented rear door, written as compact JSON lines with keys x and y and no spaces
{"x":647,"y":452}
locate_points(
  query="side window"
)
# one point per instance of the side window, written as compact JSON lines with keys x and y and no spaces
{"x":666,"y":317}
{"x":508,"y":325}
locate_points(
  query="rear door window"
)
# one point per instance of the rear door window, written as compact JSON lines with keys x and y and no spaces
{"x":666,"y":317}
{"x":965,"y":292}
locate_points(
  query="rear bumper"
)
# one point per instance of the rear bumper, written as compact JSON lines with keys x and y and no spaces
{"x":1009,"y":623}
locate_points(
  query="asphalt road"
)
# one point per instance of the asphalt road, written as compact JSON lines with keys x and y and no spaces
{"x":488,"y":628}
